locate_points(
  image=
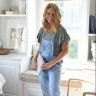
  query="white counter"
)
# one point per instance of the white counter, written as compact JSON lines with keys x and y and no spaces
{"x":11,"y":67}
{"x":13,"y":56}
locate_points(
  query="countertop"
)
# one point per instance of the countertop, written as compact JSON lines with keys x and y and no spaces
{"x":13,"y":56}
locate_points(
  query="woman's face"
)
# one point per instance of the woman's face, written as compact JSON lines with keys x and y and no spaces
{"x":50,"y":16}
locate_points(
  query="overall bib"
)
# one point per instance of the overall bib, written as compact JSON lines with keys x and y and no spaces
{"x":49,"y":79}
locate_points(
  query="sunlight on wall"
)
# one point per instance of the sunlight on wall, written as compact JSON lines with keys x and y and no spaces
{"x":31,"y":24}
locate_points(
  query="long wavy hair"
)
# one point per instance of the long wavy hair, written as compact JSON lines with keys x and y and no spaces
{"x":57,"y":17}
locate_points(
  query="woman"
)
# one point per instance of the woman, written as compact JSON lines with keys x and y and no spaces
{"x":53,"y":40}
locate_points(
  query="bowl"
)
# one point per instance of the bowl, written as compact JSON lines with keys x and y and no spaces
{"x":4,"y":51}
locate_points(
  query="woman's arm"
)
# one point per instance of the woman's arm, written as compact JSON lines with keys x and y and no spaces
{"x":62,"y":54}
{"x":36,"y":55}
{"x":34,"y":61}
{"x":58,"y":58}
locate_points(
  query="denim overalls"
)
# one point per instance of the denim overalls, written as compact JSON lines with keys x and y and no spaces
{"x":50,"y":78}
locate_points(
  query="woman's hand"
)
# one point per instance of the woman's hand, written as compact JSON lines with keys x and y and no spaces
{"x":47,"y":66}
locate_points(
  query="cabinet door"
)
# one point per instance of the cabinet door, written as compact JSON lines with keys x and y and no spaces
{"x":10,"y":70}
{"x":32,"y":89}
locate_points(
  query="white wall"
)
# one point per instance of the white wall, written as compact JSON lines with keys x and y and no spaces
{"x":93,"y":7}
{"x":39,"y":13}
{"x":31,"y":24}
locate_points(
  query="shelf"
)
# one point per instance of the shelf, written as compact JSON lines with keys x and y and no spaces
{"x":12,"y":15}
{"x":92,"y":34}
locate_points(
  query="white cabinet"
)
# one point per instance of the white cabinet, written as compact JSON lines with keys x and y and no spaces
{"x":13,"y":30}
{"x":32,"y":89}
{"x":13,"y":34}
{"x":11,"y":67}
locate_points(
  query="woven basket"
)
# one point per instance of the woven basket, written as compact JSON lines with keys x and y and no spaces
{"x":4,"y":51}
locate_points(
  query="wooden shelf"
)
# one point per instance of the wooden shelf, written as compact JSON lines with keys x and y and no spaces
{"x":92,"y":34}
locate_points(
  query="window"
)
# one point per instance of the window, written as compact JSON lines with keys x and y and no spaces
{"x":75,"y":15}
{"x":71,"y":20}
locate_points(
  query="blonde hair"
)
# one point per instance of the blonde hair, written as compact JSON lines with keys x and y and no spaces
{"x":57,"y":17}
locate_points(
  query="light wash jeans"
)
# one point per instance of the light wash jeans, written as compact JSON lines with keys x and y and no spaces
{"x":49,"y":80}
